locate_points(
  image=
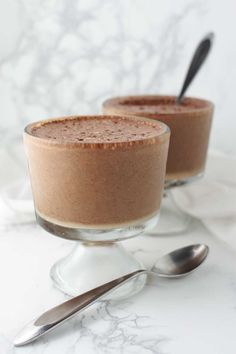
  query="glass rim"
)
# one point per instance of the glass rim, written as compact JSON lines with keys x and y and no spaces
{"x":164,"y":131}
{"x":116,"y":103}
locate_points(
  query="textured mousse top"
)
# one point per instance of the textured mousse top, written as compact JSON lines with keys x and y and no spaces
{"x":155,"y":104}
{"x":97,"y":129}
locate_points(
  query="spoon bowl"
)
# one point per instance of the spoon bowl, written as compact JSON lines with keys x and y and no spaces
{"x":181,"y":261}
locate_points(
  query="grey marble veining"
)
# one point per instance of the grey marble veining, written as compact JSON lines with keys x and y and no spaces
{"x":105,"y":328}
{"x":113,"y":329}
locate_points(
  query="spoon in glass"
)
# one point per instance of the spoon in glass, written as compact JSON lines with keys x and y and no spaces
{"x":173,"y":265}
{"x":199,"y":57}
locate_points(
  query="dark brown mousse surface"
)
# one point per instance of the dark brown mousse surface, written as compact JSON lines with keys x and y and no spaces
{"x":160,"y":105}
{"x":113,"y":177}
{"x":189,"y":122}
{"x":98,"y":130}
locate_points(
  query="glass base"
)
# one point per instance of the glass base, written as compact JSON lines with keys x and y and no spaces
{"x":93,"y":264}
{"x":97,"y":258}
{"x":169,"y":184}
{"x":173,"y":220}
{"x":98,"y":235}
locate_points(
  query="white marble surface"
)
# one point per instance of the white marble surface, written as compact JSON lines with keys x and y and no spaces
{"x":196,"y":314}
{"x":66,"y":56}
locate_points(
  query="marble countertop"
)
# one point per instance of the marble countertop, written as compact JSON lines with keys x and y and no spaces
{"x":195,"y":314}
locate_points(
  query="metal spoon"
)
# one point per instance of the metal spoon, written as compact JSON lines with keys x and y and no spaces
{"x":199,"y":57}
{"x":175,"y":264}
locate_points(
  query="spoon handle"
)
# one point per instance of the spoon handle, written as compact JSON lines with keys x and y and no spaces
{"x":199,"y":57}
{"x":59,"y":314}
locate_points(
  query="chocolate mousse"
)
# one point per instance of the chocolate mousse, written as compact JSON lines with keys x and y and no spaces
{"x":98,"y":172}
{"x":189,"y":122}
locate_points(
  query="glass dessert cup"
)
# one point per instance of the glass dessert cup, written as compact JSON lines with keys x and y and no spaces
{"x":190,"y":124}
{"x":97,"y":190}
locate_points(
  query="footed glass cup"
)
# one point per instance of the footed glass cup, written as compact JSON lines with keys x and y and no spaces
{"x":190,"y":124}
{"x":97,"y":190}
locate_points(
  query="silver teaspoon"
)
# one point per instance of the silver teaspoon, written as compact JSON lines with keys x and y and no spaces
{"x":175,"y":264}
{"x":199,"y":57}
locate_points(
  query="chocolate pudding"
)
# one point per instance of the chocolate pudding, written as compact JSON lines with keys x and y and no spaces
{"x":189,"y":122}
{"x":97,"y":172}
